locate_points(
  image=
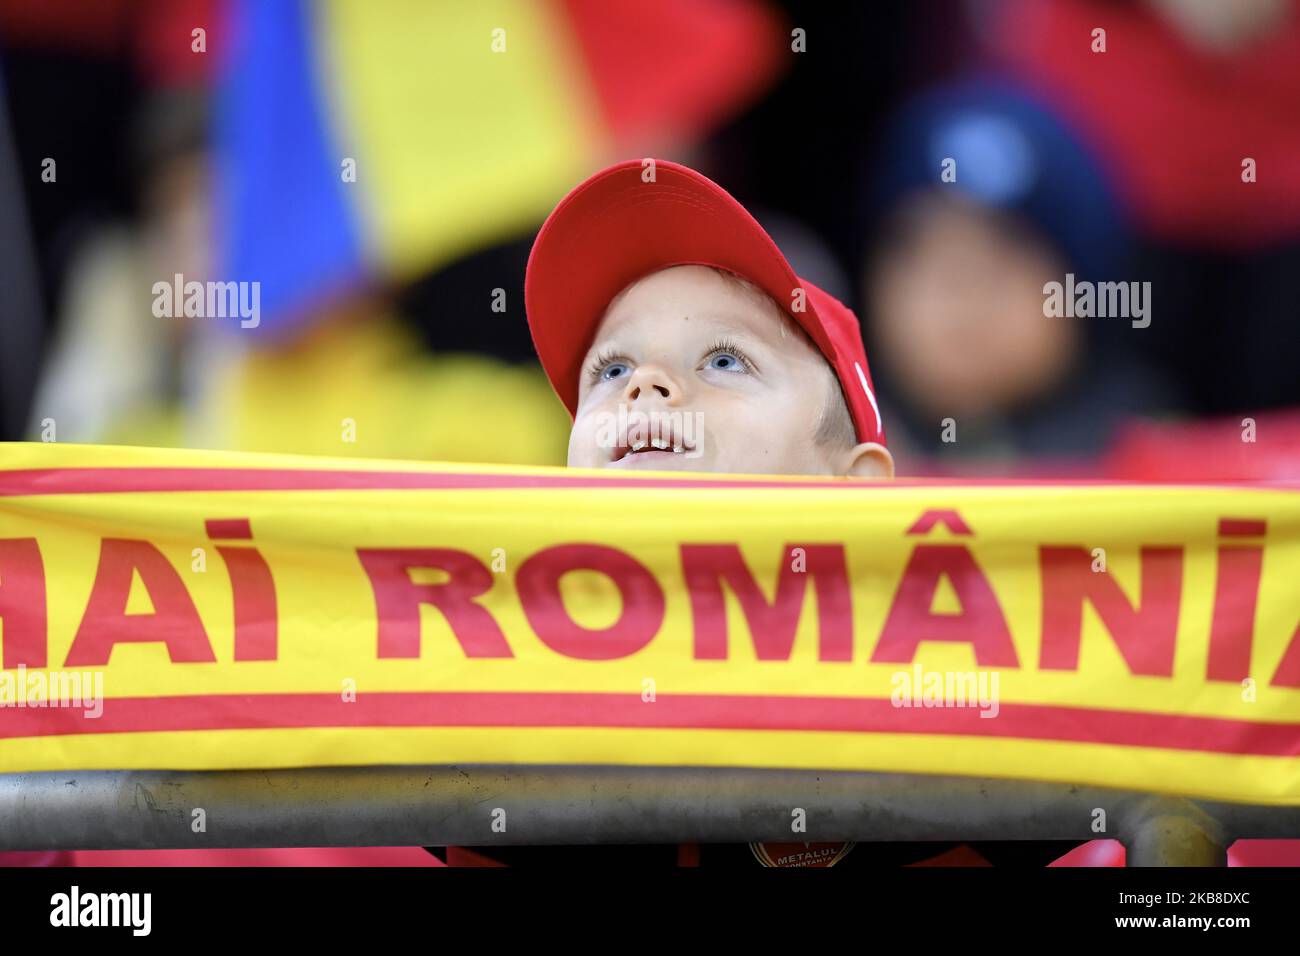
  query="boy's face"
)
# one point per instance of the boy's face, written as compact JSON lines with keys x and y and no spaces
{"x":708,"y":378}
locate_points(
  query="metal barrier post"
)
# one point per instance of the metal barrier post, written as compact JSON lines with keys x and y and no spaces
{"x":1176,"y":833}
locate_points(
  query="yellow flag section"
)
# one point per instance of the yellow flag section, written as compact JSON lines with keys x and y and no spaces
{"x":190,"y":610}
{"x":465,"y":132}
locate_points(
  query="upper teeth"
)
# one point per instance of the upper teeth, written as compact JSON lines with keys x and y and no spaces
{"x":641,"y":444}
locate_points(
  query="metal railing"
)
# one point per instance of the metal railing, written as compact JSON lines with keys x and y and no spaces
{"x":439,"y":805}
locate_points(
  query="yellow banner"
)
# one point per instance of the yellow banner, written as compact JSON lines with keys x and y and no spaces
{"x":204,"y":610}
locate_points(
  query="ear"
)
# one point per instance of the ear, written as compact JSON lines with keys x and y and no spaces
{"x":867,"y":460}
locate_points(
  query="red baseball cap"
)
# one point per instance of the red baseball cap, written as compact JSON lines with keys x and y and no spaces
{"x":640,"y":216}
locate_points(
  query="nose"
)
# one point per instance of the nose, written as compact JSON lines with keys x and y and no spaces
{"x":651,"y":381}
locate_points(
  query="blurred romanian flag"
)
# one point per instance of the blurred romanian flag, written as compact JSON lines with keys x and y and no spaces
{"x":362,"y":140}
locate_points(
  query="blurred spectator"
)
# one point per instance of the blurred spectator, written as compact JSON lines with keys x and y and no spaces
{"x":112,"y":359}
{"x":353,"y":381}
{"x":1194,"y":103}
{"x":981,"y":198}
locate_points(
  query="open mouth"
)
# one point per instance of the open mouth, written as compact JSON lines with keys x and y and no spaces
{"x":662,"y":441}
{"x":651,"y":447}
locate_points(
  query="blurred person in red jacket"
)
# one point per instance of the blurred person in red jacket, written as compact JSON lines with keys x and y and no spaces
{"x":1193,"y":104}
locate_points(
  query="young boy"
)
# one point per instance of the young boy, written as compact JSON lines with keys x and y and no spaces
{"x":656,"y":302}
{"x":679,"y":338}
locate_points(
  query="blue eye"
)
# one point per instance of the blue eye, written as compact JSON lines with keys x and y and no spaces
{"x":726,"y":362}
{"x":613,"y":370}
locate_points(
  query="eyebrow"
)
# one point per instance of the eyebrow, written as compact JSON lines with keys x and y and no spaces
{"x":730,"y":328}
{"x":724,"y":324}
